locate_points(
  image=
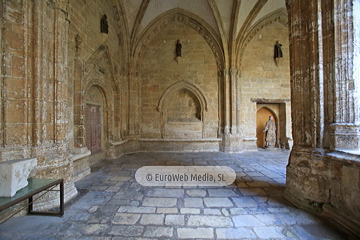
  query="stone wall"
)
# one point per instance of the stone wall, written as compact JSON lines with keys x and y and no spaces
{"x":262,"y":80}
{"x":191,"y":109}
{"x":34,"y":89}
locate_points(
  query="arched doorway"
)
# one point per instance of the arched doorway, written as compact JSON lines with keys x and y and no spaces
{"x":94,"y":123}
{"x":262,"y":116}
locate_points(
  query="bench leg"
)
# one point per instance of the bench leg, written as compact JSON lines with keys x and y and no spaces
{"x":30,"y":204}
{"x":61,"y":213}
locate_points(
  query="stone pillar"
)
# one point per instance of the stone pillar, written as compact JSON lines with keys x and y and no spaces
{"x":79,"y":127}
{"x":307,"y":172}
{"x":49,"y":84}
{"x":345,"y":130}
{"x":231,"y":133}
{"x":134,"y":104}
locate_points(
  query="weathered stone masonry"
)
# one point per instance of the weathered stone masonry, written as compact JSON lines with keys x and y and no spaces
{"x":57,"y":67}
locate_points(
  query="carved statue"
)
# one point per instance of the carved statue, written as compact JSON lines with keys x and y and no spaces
{"x":104,"y":27}
{"x":277,"y":52}
{"x":270,"y":130}
{"x":178,"y":48}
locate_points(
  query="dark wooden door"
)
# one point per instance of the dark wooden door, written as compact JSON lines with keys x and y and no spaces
{"x":93,"y":127}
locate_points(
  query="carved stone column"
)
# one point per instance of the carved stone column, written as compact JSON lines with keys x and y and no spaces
{"x":307,"y":172}
{"x":49,"y":86}
{"x":134,"y":104}
{"x":345,"y":133}
{"x":231,"y":133}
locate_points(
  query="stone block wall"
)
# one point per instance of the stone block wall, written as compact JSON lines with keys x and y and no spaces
{"x":261,"y":79}
{"x":160,"y":69}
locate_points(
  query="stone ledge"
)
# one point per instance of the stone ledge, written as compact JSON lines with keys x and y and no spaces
{"x":78,"y":156}
{"x":179,"y":140}
{"x":347,"y":155}
{"x":118,"y":143}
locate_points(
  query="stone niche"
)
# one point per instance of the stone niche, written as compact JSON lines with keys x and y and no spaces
{"x":183,"y":106}
{"x":14,"y":175}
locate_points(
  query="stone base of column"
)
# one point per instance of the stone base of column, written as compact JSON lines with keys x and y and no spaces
{"x":232,"y":143}
{"x":307,"y":176}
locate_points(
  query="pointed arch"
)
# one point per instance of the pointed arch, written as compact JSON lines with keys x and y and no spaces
{"x":279,"y":15}
{"x":173,"y":89}
{"x":183,"y":84}
{"x":187,"y":18}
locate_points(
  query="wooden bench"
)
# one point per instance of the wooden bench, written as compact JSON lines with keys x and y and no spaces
{"x":35,"y":186}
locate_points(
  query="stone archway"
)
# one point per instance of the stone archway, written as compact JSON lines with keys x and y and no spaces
{"x":262,"y":116}
{"x":182,"y":107}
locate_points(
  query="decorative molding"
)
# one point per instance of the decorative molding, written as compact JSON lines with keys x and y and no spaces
{"x":100,"y":60}
{"x":264,"y":100}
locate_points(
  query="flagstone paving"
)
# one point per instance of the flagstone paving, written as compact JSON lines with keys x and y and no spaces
{"x":115,"y":206}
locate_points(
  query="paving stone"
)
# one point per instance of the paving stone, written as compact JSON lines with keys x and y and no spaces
{"x":129,"y":195}
{"x":190,"y":210}
{"x":315,"y":232}
{"x":193,"y":202}
{"x":257,"y":210}
{"x":152,"y":219}
{"x":77,"y":215}
{"x":119,"y":184}
{"x":93,"y":209}
{"x":127,"y":231}
{"x":135,"y":203}
{"x":125,"y":218}
{"x":160,"y":202}
{"x":98,"y":188}
{"x":225,"y":212}
{"x":221,"y":192}
{"x":94,"y":229}
{"x":119,"y":215}
{"x":244,"y":202}
{"x":278,"y":209}
{"x":252,"y":191}
{"x":196,"y":192}
{"x":217,"y":202}
{"x":168,"y":193}
{"x":177,"y":220}
{"x":212,"y":211}
{"x":209,"y":221}
{"x":238,"y":211}
{"x":269,"y":232}
{"x":100,"y":217}
{"x":234,"y":233}
{"x":246,"y":221}
{"x":121,"y":179}
{"x":242,"y":184}
{"x":158,"y":232}
{"x":193,"y":233}
{"x":132,"y":209}
{"x":113,"y":189}
{"x":270,"y":219}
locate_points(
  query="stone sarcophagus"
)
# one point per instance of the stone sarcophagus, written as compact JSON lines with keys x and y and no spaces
{"x":14,"y":175}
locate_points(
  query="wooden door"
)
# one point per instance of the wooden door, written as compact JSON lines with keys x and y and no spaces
{"x":93,"y":128}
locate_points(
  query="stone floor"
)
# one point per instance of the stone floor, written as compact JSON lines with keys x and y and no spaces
{"x":115,"y":206}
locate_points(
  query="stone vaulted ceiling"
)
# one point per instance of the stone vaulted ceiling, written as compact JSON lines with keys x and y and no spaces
{"x":228,"y":19}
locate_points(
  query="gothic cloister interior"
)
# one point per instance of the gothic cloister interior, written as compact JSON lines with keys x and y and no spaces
{"x":89,"y":82}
